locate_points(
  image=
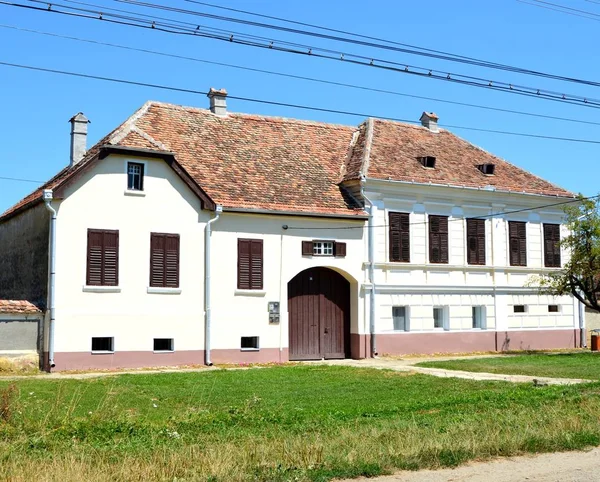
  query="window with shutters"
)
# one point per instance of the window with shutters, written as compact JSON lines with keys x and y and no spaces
{"x":323,"y":248}
{"x":102,"y":258}
{"x":438,"y":239}
{"x":250,"y":264}
{"x":135,"y":176}
{"x":164,"y":260}
{"x":399,"y":237}
{"x":552,"y":245}
{"x":517,"y":239}
{"x":476,"y":241}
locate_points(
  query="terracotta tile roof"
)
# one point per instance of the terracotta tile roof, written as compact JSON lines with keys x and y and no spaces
{"x":394,"y":149}
{"x":18,"y":307}
{"x":278,"y":164}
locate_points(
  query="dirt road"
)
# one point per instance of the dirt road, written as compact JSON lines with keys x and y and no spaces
{"x":559,"y":467}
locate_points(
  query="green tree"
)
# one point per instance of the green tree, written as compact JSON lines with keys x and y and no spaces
{"x":580,"y":275}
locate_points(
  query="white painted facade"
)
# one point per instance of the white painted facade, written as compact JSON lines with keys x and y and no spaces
{"x":457,"y":287}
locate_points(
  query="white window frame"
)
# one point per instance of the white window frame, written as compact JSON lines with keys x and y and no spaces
{"x":257,"y":348}
{"x":406,"y":319}
{"x":479,"y":317}
{"x":164,"y":351}
{"x":135,"y":192}
{"x":445,"y":318}
{"x":323,"y":248}
{"x":520,"y":313}
{"x":112,"y":345}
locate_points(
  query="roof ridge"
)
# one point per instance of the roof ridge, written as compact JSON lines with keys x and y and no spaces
{"x":366,"y":161}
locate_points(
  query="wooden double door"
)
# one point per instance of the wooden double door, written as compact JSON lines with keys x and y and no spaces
{"x":319,"y":315}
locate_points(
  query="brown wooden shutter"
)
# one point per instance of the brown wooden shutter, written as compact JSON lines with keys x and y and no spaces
{"x":172,"y":261}
{"x":111,"y":258}
{"x":438,"y":239}
{"x":552,"y":245}
{"x":476,"y":241}
{"x":243,"y":264}
{"x":339,"y":249}
{"x":256,"y":265}
{"x":399,"y":232}
{"x":157,"y":260}
{"x":517,"y":234}
{"x":102,"y":258}
{"x":307,"y":248}
{"x":95,"y":249}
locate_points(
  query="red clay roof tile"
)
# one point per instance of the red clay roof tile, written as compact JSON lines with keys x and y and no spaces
{"x":18,"y":307}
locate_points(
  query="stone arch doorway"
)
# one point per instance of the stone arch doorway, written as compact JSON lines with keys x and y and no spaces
{"x":319,"y":315}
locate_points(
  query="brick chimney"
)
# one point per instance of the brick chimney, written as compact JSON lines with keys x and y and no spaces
{"x":218,"y":101}
{"x":79,"y":126}
{"x":430,"y":120}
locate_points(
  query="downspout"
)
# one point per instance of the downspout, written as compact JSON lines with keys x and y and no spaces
{"x":582,"y":334}
{"x":207,"y":314}
{"x":52,"y":275}
{"x":371,"y":264}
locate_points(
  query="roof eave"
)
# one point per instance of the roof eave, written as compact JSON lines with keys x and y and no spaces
{"x":273,"y":212}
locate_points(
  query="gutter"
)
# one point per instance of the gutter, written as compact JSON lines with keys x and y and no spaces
{"x":371,"y":265}
{"x":47,"y":196}
{"x":207,"y":312}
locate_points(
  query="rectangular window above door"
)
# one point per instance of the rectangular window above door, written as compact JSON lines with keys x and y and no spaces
{"x":102,"y":258}
{"x":323,"y":248}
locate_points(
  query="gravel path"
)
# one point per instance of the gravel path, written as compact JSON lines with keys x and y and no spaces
{"x":558,"y":467}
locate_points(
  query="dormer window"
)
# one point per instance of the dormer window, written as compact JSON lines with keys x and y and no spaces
{"x":427,"y":161}
{"x":135,"y":176}
{"x":487,"y":169}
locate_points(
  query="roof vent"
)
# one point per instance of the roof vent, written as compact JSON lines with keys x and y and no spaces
{"x":427,"y":161}
{"x":487,"y":169}
{"x":430,"y":121}
{"x":218,"y":102}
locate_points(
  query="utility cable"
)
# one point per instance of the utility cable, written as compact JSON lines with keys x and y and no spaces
{"x":327,"y":54}
{"x":285,"y":104}
{"x":20,"y":180}
{"x":421,"y":223}
{"x":411,"y":51}
{"x":298,"y":77}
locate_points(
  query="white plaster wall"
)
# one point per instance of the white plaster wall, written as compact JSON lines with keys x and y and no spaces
{"x":132,"y":316}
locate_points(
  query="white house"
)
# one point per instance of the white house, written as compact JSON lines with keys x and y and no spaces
{"x":191,"y":236}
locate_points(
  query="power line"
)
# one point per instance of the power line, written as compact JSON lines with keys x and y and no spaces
{"x":486,"y":216}
{"x":560,"y":9}
{"x":299,"y":77}
{"x":243,"y":39}
{"x":421,"y":52}
{"x":20,"y":180}
{"x":285,"y":104}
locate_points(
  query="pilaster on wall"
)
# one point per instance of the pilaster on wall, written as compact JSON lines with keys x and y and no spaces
{"x":501,"y":311}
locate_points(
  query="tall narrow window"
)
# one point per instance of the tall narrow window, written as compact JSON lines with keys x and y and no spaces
{"x":102,"y":258}
{"x":135,"y":176}
{"x":164,"y":260}
{"x":440,"y":318}
{"x":552,"y":245}
{"x":400,"y":318}
{"x":476,"y":241}
{"x":250,"y":264}
{"x":517,"y":234}
{"x":438,"y":239}
{"x":399,"y":237}
{"x":479,"y":317}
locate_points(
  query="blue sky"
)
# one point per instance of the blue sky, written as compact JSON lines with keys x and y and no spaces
{"x":36,"y":106}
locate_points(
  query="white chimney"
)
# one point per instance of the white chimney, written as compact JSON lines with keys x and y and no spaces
{"x":218,"y":102}
{"x":430,"y":120}
{"x":79,"y":126}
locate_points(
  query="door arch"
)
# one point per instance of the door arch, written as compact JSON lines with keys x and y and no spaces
{"x":319,"y":315}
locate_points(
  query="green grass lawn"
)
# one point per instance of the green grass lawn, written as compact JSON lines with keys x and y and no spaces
{"x":584,"y":365}
{"x":278,"y":424}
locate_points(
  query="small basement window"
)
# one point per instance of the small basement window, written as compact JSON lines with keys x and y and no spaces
{"x":487,"y":169}
{"x":135,"y":176}
{"x":163,"y":344}
{"x":553,"y":308}
{"x":249,"y":343}
{"x":519,"y":309}
{"x":427,"y":161}
{"x":103,"y":344}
